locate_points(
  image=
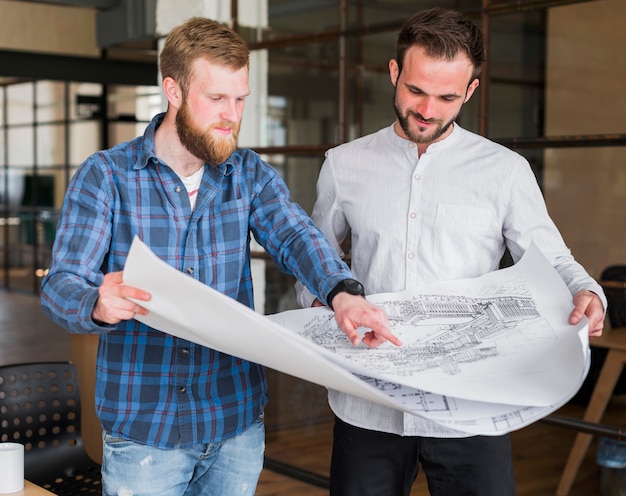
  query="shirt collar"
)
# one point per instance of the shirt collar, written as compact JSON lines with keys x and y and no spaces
{"x":146,"y":153}
{"x":448,"y":141}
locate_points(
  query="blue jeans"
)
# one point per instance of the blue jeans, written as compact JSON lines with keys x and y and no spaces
{"x":231,"y":467}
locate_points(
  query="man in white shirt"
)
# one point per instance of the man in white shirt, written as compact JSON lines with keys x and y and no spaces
{"x":427,"y":201}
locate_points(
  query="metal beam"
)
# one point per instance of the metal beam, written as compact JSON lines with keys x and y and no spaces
{"x":80,"y":69}
{"x":574,"y":141}
{"x":586,"y":427}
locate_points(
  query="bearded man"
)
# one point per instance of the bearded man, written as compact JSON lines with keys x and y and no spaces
{"x":422,"y":201}
{"x":179,"y":418}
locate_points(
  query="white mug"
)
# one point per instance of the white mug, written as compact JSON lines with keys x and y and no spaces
{"x":11,"y":468}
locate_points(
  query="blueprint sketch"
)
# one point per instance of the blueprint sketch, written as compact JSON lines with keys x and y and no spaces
{"x":483,"y":356}
{"x":450,"y":340}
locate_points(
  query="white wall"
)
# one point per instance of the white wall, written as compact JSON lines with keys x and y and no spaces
{"x":47,"y":28}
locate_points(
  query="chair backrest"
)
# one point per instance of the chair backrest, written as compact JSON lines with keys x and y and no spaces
{"x":40,"y":408}
{"x":615,"y":294}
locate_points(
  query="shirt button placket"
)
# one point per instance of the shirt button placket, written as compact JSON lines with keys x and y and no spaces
{"x":412,"y":235}
{"x":184,"y":361}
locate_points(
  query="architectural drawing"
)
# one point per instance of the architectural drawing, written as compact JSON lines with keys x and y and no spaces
{"x":462,"y":415}
{"x":451,"y":331}
{"x":445,"y":332}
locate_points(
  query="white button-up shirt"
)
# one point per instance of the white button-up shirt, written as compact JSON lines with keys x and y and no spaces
{"x":447,"y":214}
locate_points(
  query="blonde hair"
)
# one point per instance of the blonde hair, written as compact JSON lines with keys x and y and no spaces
{"x":200,"y":37}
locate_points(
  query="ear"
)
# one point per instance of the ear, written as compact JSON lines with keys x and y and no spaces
{"x":394,"y":71}
{"x":172,"y":92}
{"x":470,"y":89}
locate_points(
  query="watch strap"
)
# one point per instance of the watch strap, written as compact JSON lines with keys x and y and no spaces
{"x":350,"y":286}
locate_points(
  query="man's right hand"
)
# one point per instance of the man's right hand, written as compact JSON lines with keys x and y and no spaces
{"x":113,"y":305}
{"x":354,"y":311}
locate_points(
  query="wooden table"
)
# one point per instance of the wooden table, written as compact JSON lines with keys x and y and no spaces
{"x":614,"y":340}
{"x":31,"y":489}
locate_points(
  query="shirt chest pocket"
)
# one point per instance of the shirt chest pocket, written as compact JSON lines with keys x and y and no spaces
{"x":227,"y":230}
{"x":466,"y":236}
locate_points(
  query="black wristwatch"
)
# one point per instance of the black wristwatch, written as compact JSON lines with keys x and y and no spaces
{"x":351,"y":286}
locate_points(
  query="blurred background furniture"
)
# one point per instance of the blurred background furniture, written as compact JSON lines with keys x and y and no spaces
{"x":612,"y":359}
{"x":612,"y":281}
{"x":83,"y":354}
{"x":40,"y":407}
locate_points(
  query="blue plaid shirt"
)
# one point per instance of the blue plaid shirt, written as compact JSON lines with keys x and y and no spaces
{"x":154,"y":388}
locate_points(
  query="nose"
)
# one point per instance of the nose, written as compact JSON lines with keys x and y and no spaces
{"x":426,"y":107}
{"x":231,"y":110}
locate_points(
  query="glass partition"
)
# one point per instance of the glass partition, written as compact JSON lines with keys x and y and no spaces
{"x":48,"y":129}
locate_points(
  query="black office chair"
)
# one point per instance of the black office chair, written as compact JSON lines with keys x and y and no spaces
{"x":40,"y":408}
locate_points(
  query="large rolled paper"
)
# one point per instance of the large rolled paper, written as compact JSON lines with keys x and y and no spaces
{"x":11,"y":468}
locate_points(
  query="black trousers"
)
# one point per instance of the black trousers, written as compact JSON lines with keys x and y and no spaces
{"x":370,"y":463}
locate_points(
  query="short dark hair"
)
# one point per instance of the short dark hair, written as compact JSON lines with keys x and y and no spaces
{"x":200,"y":37}
{"x":442,"y":33}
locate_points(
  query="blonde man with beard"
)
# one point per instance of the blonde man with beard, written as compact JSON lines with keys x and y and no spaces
{"x":179,"y":418}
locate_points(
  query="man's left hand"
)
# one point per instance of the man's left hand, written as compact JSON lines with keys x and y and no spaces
{"x":587,"y":303}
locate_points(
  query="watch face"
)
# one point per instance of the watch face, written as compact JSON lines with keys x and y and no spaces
{"x":351,"y":286}
{"x":354,"y":287}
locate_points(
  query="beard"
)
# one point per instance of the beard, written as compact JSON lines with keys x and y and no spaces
{"x":422,"y":139}
{"x":202,"y":143}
